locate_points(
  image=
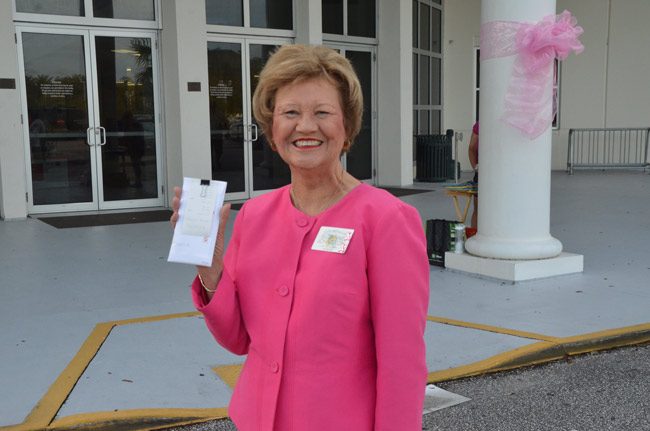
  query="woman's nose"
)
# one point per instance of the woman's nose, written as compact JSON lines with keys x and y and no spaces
{"x":306,"y":123}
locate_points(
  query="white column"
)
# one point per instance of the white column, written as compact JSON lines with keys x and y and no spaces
{"x":514,"y":171}
{"x":187,"y":112}
{"x":309,"y":22}
{"x":395,"y":93}
{"x":12,"y":148}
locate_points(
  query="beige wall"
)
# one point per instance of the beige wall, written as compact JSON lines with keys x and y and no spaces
{"x":461,"y":29}
{"x":628,"y":74}
{"x":605,"y":86}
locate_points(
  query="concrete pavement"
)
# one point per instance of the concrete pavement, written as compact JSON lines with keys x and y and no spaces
{"x":97,"y":330}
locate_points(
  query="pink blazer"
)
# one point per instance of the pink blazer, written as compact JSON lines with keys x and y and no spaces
{"x":334,"y":341}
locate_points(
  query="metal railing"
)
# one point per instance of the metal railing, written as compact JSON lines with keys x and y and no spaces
{"x":608,"y":148}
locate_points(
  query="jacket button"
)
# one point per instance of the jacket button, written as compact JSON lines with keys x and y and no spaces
{"x":302,"y":222}
{"x":275,"y":367}
{"x":283,"y":290}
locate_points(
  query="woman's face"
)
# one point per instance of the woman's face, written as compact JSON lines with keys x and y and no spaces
{"x":308,"y":128}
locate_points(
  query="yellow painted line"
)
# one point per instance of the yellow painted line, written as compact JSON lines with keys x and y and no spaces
{"x":46,"y":409}
{"x":545,"y":351}
{"x":228,"y":373}
{"x":489,"y":328}
{"x":136,"y":419}
{"x":41,"y":417}
{"x":150,"y":319}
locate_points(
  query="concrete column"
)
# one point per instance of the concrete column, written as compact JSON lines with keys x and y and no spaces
{"x":187,"y":115}
{"x":513,"y":240}
{"x":309,"y":22}
{"x":12,"y":148}
{"x":514,"y":171}
{"x":395,"y":93}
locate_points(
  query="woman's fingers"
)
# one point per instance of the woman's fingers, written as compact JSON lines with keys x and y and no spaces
{"x":176,"y":204}
{"x":223,"y":220}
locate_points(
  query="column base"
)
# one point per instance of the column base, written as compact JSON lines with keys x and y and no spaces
{"x":515,"y":270}
{"x":524,"y":249}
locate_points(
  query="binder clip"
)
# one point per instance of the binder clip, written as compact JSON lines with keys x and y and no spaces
{"x":204,"y":187}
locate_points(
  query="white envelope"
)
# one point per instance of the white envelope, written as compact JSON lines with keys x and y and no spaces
{"x":195,"y":233}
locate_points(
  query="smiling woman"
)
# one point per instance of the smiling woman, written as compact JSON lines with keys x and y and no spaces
{"x":325,"y":282}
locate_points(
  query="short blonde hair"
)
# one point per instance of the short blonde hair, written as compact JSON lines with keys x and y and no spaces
{"x":291,"y":63}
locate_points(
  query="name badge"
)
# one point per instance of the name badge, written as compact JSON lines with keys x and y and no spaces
{"x":332,"y":239}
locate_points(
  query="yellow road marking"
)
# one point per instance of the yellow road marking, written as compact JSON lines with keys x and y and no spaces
{"x":490,"y":328}
{"x":43,"y":414}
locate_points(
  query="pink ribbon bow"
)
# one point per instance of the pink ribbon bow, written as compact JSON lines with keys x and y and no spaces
{"x":527,"y":106}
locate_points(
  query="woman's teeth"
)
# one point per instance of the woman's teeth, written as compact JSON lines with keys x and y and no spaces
{"x":302,"y":144}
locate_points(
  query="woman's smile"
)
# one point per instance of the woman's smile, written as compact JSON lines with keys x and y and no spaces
{"x":308,"y":129}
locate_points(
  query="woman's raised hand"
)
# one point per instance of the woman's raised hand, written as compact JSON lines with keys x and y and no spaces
{"x":210,"y":275}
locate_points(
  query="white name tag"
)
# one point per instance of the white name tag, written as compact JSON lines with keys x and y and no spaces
{"x":332,"y":239}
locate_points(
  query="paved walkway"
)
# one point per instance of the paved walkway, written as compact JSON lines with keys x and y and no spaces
{"x":97,"y":329}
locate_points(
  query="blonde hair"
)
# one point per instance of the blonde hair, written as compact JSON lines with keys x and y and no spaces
{"x":291,"y":63}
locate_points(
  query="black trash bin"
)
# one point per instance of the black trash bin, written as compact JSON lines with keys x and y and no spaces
{"x":433,"y":160}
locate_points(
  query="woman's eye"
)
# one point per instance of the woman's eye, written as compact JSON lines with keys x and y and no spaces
{"x":322,"y":114}
{"x":291,"y":114}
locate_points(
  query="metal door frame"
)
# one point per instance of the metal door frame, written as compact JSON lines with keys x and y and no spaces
{"x":343,"y":47}
{"x":247,"y":110}
{"x":92,"y":101}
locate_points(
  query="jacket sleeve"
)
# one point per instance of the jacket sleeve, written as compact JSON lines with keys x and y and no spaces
{"x":398,"y":280}
{"x":222,"y":313}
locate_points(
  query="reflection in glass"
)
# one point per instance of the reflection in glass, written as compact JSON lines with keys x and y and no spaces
{"x":276,"y":14}
{"x":124,"y":9}
{"x":424,"y":98}
{"x":56,"y":88}
{"x":436,"y":30}
{"x":434,"y":129}
{"x":436,"y":98}
{"x":225,"y":12}
{"x":361,"y":18}
{"x":269,"y":170}
{"x":424,"y":122}
{"x":51,"y":7}
{"x":425,"y":26}
{"x":359,"y":159}
{"x":332,"y":11}
{"x":226,"y":114}
{"x":126,"y":111}
{"x":415,"y":23}
{"x":416,"y":100}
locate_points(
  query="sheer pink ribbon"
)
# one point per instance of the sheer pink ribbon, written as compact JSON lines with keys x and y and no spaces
{"x":527,"y":106}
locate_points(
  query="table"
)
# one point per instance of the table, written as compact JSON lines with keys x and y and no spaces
{"x":468,"y":194}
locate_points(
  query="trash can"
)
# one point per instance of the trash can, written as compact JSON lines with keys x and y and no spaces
{"x":433,"y":162}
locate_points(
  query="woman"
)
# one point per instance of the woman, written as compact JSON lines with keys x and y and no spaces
{"x":325,"y":281}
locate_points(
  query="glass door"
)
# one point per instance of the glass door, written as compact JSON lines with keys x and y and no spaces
{"x":61,"y":139}
{"x":128,"y":173}
{"x":360,"y":160}
{"x":240,"y":152}
{"x":91,"y":119}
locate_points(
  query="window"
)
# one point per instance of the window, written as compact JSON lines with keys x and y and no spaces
{"x":556,"y":88}
{"x":427,"y":66}
{"x":143,"y":10}
{"x":269,"y":14}
{"x":349,"y":17}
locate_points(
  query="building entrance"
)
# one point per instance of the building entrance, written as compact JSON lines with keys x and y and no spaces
{"x":90,"y":115}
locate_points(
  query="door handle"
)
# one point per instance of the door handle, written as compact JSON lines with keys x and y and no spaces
{"x":88,"y":136}
{"x":102,"y":140}
{"x":254,"y":127}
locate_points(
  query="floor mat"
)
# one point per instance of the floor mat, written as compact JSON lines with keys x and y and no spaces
{"x":107,"y":219}
{"x":155,"y":216}
{"x":396,"y":191}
